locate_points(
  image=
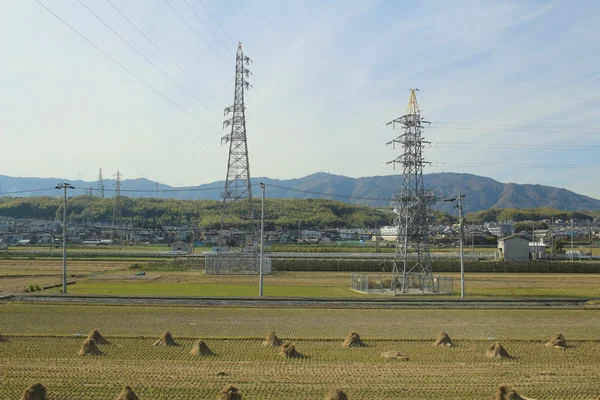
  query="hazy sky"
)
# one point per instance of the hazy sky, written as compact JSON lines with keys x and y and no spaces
{"x":515,"y":86}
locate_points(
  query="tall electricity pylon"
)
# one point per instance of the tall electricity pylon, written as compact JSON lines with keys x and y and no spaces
{"x":237,"y":184}
{"x":117,"y":199}
{"x":100,"y":184}
{"x":412,"y":205}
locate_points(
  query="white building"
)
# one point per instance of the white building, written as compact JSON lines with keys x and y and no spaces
{"x":500,"y":229}
{"x":310,"y":234}
{"x":537,"y":249}
{"x":389,"y":233}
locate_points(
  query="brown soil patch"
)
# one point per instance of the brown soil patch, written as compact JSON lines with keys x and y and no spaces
{"x":201,"y":349}
{"x":353,"y":340}
{"x":504,"y":392}
{"x":336,"y":394}
{"x":272,"y":340}
{"x":395,"y":354}
{"x":97,"y":337}
{"x":37,"y":391}
{"x":127,"y":394}
{"x":289,"y":350}
{"x":558,"y":342}
{"x":89,"y":348}
{"x":166,"y":340}
{"x":230,"y":392}
{"x":443,"y":340}
{"x":496,"y":350}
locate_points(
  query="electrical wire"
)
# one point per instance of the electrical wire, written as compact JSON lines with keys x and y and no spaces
{"x":203,"y":23}
{"x":197,"y":34}
{"x":220,"y":26}
{"x":161,"y":51}
{"x":160,"y":169}
{"x":146,"y":58}
{"x":505,"y":165}
{"x":115,"y":61}
{"x":26,"y":191}
{"x":503,"y":125}
{"x":513,"y":130}
{"x":520,"y":95}
{"x":483,"y":145}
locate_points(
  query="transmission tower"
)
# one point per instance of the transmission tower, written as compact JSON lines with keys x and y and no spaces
{"x":100,"y":184}
{"x":117,"y":199}
{"x":412,"y":205}
{"x":237,"y":183}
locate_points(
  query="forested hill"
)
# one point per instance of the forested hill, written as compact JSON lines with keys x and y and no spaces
{"x":481,"y":193}
{"x":154,"y":213}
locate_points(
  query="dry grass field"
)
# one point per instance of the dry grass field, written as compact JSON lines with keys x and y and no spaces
{"x":43,"y":342}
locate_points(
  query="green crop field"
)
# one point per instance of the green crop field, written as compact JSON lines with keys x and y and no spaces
{"x":97,"y":276}
{"x":43,"y":342}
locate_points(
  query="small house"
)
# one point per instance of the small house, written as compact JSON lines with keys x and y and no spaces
{"x":513,"y":248}
{"x":180,"y":246}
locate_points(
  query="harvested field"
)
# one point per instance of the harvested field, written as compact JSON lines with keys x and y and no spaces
{"x":320,"y":323}
{"x":261,"y":373}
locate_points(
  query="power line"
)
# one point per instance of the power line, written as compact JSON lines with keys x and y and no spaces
{"x":500,"y":146}
{"x":145,"y":58}
{"x":506,"y":165}
{"x":521,"y":95}
{"x":27,"y":191}
{"x":193,"y":30}
{"x":161,"y":51}
{"x":158,"y":170}
{"x":203,"y":23}
{"x":515,"y":130}
{"x":506,"y":125}
{"x":220,"y":26}
{"x":269,"y":185}
{"x":115,"y":61}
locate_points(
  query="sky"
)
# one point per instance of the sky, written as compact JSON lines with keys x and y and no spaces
{"x":511,"y":88}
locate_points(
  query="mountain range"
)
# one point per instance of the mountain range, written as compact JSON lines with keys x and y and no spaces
{"x":481,"y":193}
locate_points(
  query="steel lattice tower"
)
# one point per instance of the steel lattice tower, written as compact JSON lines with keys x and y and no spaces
{"x":100,"y":184}
{"x":117,"y":199}
{"x":237,"y":184}
{"x":412,"y":204}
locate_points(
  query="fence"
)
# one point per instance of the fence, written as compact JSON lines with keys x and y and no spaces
{"x":376,"y":284}
{"x":236,"y":263}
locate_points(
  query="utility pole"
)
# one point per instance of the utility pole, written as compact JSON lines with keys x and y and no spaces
{"x":572,"y":235}
{"x":64,"y":186}
{"x":462,"y":262}
{"x":299,"y":236}
{"x":590,"y":240}
{"x":262,"y":240}
{"x":460,"y":241}
{"x":552,"y":237}
{"x":473,"y":243}
{"x":533,"y":238}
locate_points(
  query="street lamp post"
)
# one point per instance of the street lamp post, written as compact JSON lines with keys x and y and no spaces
{"x":64,"y":186}
{"x":262,"y":241}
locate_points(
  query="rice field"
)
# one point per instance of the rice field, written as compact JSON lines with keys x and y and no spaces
{"x":43,"y":342}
